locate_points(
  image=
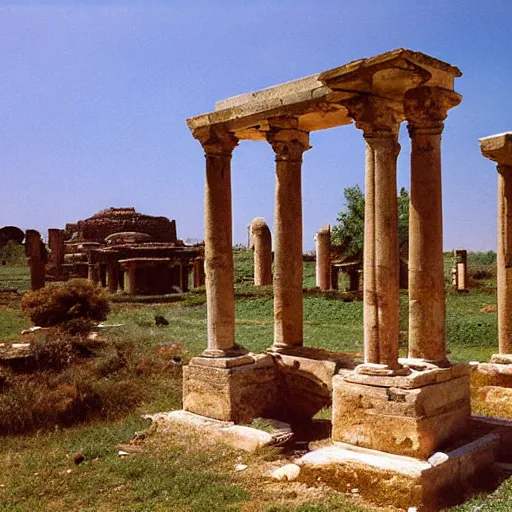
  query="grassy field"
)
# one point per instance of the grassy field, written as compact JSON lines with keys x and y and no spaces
{"x":138,"y":370}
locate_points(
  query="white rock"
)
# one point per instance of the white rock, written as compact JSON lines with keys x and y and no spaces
{"x":355,"y":490}
{"x":412,"y":509}
{"x":122,"y":453}
{"x":438,"y":458}
{"x":289,"y":472}
{"x":241,"y":467}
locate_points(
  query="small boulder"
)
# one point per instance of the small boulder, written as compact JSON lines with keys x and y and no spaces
{"x":288,"y":472}
{"x":161,"y":320}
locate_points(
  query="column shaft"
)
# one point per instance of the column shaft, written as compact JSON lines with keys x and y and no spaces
{"x":425,"y":109}
{"x":385,"y":150}
{"x":288,"y":144}
{"x":370,"y":312}
{"x":504,"y":259}
{"x":112,"y":276}
{"x":218,"y":146}
{"x":323,"y":258}
{"x":426,"y":264}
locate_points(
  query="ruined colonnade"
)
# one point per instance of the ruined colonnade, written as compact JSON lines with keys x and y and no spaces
{"x":377,"y":94}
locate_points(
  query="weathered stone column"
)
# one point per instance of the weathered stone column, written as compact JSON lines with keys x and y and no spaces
{"x":33,"y":246}
{"x":261,"y":242}
{"x":112,"y":276}
{"x":198,"y":272}
{"x":218,"y":145}
{"x":323,"y":257}
{"x":289,"y":144}
{"x":56,"y":244}
{"x":184,"y":271}
{"x":425,"y":109}
{"x":379,"y":119}
{"x":499,"y":149}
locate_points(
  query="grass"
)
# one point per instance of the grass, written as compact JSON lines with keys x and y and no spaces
{"x":181,"y":471}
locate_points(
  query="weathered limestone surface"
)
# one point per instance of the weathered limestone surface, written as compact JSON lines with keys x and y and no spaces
{"x":262,"y":246}
{"x":56,"y":244}
{"x":402,"y":482}
{"x":499,"y":149}
{"x":238,"y":393}
{"x":397,"y":420}
{"x":33,"y":250}
{"x":379,"y":119}
{"x":425,"y":109}
{"x":218,"y":146}
{"x":241,"y":437}
{"x":289,"y":144}
{"x":323,"y":258}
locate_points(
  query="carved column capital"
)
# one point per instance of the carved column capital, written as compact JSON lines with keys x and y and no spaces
{"x":288,"y":143}
{"x":427,"y":107}
{"x":377,"y":117}
{"x":216,"y":140}
{"x":504,"y":169}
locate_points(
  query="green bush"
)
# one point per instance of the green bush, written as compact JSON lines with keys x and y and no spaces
{"x":74,"y":306}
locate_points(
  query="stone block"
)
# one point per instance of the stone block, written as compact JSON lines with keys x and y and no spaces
{"x":402,"y":482}
{"x":239,"y":393}
{"x":413,"y":422}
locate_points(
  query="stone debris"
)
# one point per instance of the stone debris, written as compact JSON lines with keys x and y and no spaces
{"x":438,"y":458}
{"x":289,"y":472}
{"x":122,"y":453}
{"x":241,"y":467}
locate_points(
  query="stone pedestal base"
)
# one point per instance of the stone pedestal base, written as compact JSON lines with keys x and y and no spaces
{"x":492,"y":388}
{"x":224,"y":390}
{"x":400,"y":481}
{"x":412,"y":415}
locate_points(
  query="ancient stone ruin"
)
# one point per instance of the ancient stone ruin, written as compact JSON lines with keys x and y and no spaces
{"x":261,"y":244}
{"x":124,"y":250}
{"x":460,"y":270}
{"x":402,"y":428}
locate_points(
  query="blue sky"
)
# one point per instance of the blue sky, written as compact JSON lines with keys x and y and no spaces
{"x":94,"y":97}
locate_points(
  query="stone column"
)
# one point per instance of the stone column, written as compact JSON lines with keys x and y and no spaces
{"x":218,"y":145}
{"x":425,"y":110}
{"x":261,"y":242}
{"x":499,"y":149}
{"x":504,"y":259}
{"x":112,"y":276}
{"x":379,"y":119}
{"x":198,"y":272}
{"x":289,"y":144}
{"x":184,"y":270}
{"x":56,"y":243}
{"x":323,"y":257}
{"x":33,"y":246}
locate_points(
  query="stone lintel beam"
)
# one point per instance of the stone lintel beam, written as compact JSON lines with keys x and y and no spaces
{"x":425,"y":109}
{"x":288,"y":143}
{"x":379,"y":119}
{"x":315,"y":100}
{"x":498,"y":148}
{"x":218,"y":145}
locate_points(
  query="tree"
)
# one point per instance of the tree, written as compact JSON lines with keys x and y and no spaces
{"x":348,"y":235}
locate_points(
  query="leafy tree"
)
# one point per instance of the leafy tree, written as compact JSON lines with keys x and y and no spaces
{"x":13,"y":254}
{"x":348,"y":235}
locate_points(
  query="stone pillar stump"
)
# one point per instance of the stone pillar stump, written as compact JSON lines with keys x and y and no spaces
{"x":323,"y":258}
{"x":33,"y":250}
{"x":261,"y":242}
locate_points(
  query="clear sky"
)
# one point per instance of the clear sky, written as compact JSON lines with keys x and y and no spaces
{"x":94,"y":97}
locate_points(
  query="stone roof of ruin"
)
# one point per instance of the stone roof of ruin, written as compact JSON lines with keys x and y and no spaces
{"x":315,"y":100}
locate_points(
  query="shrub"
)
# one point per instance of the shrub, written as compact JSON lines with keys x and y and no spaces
{"x":74,"y":306}
{"x":52,"y":352}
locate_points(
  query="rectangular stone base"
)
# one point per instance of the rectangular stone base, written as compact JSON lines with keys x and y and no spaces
{"x":402,"y":482}
{"x":237,"y":393}
{"x":397,"y":419}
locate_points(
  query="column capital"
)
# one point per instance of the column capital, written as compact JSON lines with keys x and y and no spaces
{"x":378,"y":117}
{"x":504,"y":169}
{"x":427,"y":107}
{"x":287,"y":141}
{"x":216,"y":140}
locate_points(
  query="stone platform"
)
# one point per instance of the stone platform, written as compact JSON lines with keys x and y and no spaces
{"x":403,"y":482}
{"x":412,"y":415}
